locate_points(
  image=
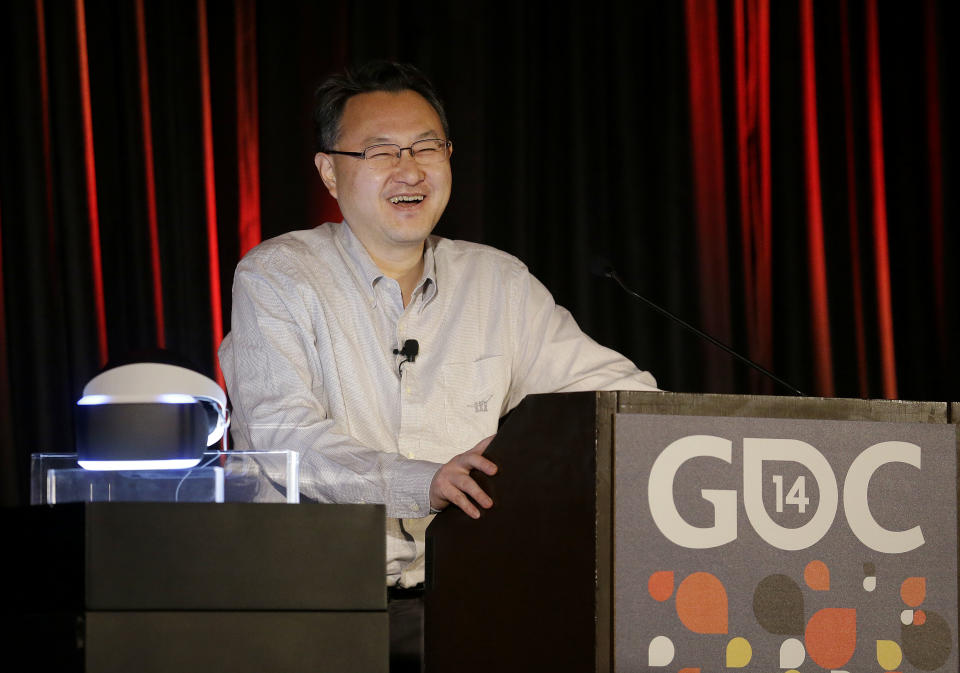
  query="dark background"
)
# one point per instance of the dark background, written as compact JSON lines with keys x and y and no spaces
{"x":575,"y":133}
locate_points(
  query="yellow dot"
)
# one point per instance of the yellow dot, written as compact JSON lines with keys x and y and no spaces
{"x":889,"y":654}
{"x":739,"y":653}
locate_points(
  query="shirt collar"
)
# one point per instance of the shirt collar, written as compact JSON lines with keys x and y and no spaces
{"x":369,"y":273}
{"x":429,"y":278}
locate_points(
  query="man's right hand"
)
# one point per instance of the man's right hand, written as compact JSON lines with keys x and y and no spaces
{"x":452,"y":482}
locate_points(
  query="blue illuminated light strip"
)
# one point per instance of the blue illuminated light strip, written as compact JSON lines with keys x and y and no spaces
{"x":93,"y":399}
{"x":170,"y":464}
{"x":167,"y":398}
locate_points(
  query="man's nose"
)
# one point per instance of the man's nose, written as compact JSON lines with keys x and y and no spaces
{"x":408,"y":170}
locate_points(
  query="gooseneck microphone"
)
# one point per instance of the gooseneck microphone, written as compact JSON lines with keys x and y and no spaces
{"x":602,"y":267}
{"x":410,"y":350}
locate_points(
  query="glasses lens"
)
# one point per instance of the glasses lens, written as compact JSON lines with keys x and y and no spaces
{"x":430,"y":151}
{"x":382,"y":154}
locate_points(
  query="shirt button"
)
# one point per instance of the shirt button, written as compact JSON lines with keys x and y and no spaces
{"x":415,"y":507}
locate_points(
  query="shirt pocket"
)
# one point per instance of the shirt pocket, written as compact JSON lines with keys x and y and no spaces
{"x":473,"y":395}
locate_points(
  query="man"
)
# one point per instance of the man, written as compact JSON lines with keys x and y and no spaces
{"x":321,"y":358}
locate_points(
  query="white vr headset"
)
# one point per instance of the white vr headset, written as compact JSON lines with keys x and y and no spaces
{"x":149,"y":415}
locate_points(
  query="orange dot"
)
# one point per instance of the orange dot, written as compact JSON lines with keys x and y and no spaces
{"x":831,"y":637}
{"x":702,"y":603}
{"x":913,"y":591}
{"x":817,"y":576}
{"x":919,"y":617}
{"x":689,"y":670}
{"x":660,"y":585}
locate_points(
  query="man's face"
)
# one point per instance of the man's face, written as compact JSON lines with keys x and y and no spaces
{"x":368,"y":195}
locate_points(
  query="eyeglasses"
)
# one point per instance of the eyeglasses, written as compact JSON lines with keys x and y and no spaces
{"x":427,"y":151}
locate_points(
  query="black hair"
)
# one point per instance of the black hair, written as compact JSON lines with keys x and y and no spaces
{"x":331,"y":97}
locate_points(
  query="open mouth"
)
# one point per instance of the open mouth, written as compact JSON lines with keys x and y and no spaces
{"x":407,"y":198}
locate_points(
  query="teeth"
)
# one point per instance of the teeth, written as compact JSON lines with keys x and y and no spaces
{"x":406,"y":198}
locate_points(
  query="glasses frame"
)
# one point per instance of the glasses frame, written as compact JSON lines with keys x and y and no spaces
{"x":447,"y":145}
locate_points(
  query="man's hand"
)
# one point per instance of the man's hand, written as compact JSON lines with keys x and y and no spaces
{"x":452,"y":482}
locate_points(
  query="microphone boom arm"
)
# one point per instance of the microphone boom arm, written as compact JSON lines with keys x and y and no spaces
{"x":610,"y":272}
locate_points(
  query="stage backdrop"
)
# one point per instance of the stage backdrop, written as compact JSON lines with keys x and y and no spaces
{"x":780,"y":173}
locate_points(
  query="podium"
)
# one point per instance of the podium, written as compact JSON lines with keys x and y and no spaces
{"x":659,"y":531}
{"x":109,"y":587}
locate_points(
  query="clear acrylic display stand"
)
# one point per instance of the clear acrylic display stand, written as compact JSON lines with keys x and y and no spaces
{"x":221,"y":476}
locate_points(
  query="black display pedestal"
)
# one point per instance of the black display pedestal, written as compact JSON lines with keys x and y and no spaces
{"x":104,"y":587}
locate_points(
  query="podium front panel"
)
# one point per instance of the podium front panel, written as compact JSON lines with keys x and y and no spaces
{"x":739,"y":539}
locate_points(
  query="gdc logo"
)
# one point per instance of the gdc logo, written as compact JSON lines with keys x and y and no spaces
{"x":755,"y":452}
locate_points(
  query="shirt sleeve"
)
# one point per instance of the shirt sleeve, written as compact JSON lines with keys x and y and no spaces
{"x":273,"y":375}
{"x":552,"y":354}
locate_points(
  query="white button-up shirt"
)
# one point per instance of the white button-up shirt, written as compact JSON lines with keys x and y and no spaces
{"x":310,"y":366}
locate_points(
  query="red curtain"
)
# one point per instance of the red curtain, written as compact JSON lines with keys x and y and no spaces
{"x":881,"y":249}
{"x":248,"y":224}
{"x":853,"y":219}
{"x":90,"y":164}
{"x":709,"y":179}
{"x":156,"y":274}
{"x":749,"y":22}
{"x":751,"y":26}
{"x":248,"y":123}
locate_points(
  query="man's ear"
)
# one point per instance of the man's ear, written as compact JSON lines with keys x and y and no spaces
{"x":324,"y":164}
